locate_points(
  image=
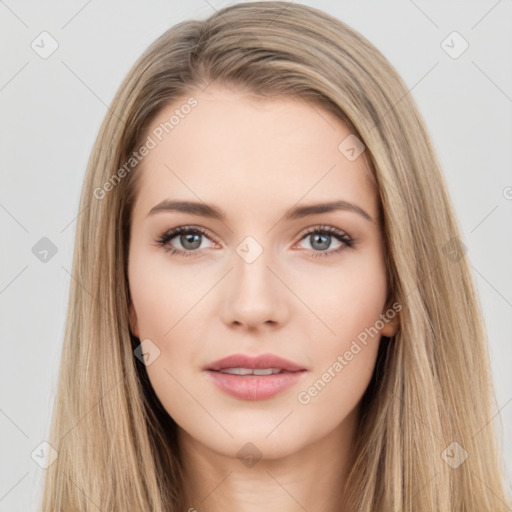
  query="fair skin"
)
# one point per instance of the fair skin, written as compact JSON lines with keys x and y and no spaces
{"x":254,"y":160}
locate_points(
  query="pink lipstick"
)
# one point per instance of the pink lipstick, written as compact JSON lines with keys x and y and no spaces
{"x":254,"y":378}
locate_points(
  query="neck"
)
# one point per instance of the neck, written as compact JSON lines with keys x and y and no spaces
{"x":311,"y":478}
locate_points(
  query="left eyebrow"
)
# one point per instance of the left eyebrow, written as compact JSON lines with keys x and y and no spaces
{"x":298,"y":212}
{"x":304,"y":211}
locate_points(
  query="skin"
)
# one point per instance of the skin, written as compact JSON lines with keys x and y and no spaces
{"x":254,"y":160}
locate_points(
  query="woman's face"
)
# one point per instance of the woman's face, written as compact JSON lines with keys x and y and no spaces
{"x":251,"y":279}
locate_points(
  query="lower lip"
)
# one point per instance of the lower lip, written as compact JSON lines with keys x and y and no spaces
{"x":255,"y":387}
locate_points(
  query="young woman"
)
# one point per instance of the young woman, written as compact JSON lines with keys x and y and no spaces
{"x":271,"y":306}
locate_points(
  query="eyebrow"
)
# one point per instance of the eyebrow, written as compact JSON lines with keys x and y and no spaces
{"x":298,"y":212}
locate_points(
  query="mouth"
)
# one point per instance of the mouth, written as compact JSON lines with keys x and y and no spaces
{"x":254,"y":378}
{"x":250,"y":371}
{"x":267,"y":362}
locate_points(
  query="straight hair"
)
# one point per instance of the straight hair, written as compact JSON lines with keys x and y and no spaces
{"x":431,"y":386}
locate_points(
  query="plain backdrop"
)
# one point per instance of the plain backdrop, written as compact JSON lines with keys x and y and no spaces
{"x":51,"y":110}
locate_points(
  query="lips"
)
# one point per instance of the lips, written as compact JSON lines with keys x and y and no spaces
{"x":254,"y":378}
{"x":261,"y":362}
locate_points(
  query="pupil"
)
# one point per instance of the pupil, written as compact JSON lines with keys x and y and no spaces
{"x":321,"y":241}
{"x":189,"y":239}
{"x":319,"y":236}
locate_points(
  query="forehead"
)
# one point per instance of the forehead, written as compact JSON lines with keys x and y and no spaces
{"x":225,"y":147}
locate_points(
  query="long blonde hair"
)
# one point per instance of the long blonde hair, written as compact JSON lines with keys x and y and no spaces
{"x":431,"y":386}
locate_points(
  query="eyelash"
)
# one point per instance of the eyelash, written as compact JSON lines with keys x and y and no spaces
{"x":336,"y":233}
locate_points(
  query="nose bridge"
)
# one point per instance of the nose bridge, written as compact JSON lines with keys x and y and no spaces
{"x":252,"y":261}
{"x":256,"y":295}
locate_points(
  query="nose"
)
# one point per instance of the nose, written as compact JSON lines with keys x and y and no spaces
{"x":255,"y":296}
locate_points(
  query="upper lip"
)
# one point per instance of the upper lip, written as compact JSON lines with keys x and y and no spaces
{"x":261,"y":361}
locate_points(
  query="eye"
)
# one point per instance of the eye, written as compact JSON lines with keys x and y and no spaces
{"x":188,"y":236}
{"x":320,"y":238}
{"x":190,"y":239}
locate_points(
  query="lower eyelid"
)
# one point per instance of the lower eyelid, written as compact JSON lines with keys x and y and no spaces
{"x":344,"y":239}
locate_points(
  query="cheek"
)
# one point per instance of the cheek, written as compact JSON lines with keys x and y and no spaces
{"x":350,"y":306}
{"x":346,"y":297}
{"x":164,"y":296}
{"x":163,"y":292}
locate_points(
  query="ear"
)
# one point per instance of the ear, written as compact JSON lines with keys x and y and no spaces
{"x":391,"y":326}
{"x":133,"y":321}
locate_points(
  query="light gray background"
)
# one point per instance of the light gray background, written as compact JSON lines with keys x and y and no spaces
{"x":51,"y":112}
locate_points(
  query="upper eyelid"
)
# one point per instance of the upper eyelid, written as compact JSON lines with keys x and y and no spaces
{"x":205,"y":232}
